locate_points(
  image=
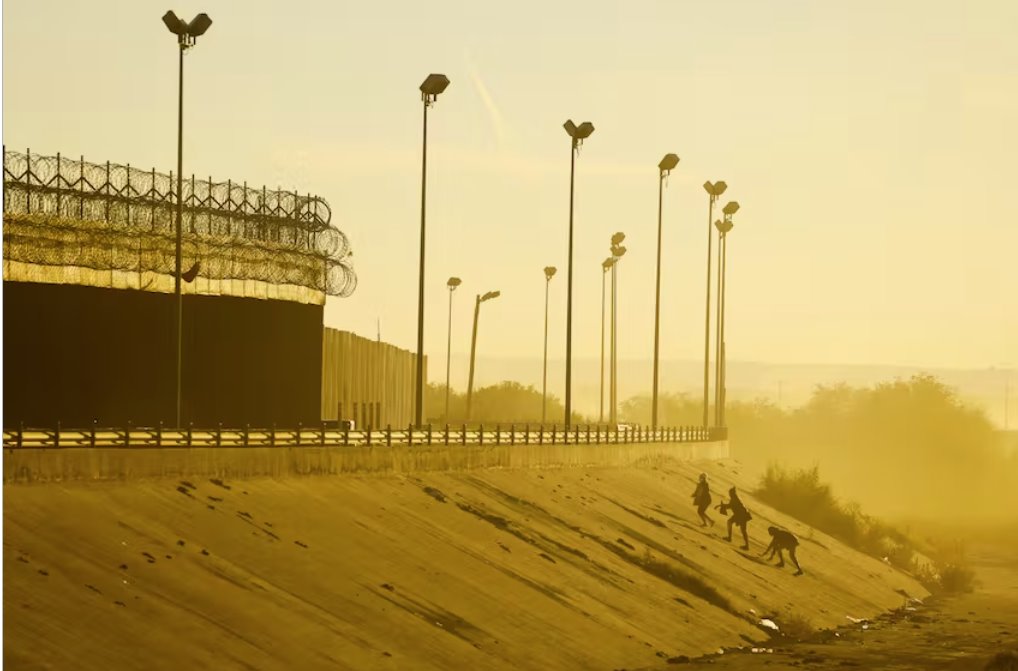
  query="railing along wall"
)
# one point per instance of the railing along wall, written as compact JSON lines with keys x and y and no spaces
{"x":128,"y":437}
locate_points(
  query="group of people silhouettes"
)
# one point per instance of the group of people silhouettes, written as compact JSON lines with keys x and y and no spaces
{"x":781,"y":540}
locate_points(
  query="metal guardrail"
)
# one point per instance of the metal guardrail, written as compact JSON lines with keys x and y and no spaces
{"x":323,"y":436}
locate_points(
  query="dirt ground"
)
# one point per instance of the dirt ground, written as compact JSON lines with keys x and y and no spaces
{"x":955,"y":633}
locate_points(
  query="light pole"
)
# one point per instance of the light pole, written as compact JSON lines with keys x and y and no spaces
{"x":606,"y":265}
{"x":549,"y":272}
{"x":430,"y":89}
{"x":473,"y":345}
{"x":713,"y":191}
{"x":577,"y":134}
{"x":617,"y":252}
{"x":666,"y":165}
{"x":723,"y":227}
{"x":452,"y":284}
{"x":187,"y":34}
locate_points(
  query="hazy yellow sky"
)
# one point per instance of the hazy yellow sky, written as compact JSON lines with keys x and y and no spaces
{"x":872,"y":145}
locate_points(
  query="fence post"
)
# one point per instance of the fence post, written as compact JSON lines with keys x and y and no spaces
{"x":388,"y":435}
{"x":447,"y":433}
{"x":219,"y":434}
{"x":526,"y":434}
{"x":300,"y":428}
{"x":368,"y":434}
{"x":21,"y":435}
{"x":410,"y":435}
{"x":322,"y":441}
{"x":159,"y":434}
{"x":512,"y":433}
{"x":190,"y":434}
{"x":346,"y":434}
{"x":553,"y":436}
{"x":498,"y":434}
{"x":91,"y":440}
{"x":56,"y":435}
{"x":429,"y":434}
{"x":463,"y":435}
{"x":247,"y":434}
{"x":480,"y":434}
{"x":127,"y":434}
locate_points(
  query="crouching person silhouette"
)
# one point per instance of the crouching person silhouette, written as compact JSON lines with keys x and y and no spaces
{"x":782,"y":540}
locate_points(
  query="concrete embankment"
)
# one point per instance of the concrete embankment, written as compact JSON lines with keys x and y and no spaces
{"x":597,"y":565}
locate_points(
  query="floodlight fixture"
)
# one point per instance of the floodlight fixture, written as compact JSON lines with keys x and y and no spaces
{"x":608,"y":263}
{"x":723,"y":226}
{"x":549,"y":272}
{"x":618,"y":251}
{"x":454,"y":282}
{"x":731,"y":208}
{"x":584,"y":130}
{"x":668,"y":163}
{"x":618,"y":238}
{"x":433,"y":85}
{"x":174,"y":24}
{"x":570,"y":128}
{"x":199,"y":25}
{"x":491,"y":294}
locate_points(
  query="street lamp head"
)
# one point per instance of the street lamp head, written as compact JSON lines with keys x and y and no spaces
{"x":715,"y":189}
{"x":434,"y":85}
{"x":668,"y":163}
{"x":578,"y":133}
{"x":199,"y":25}
{"x":608,"y":263}
{"x":618,"y":251}
{"x":175,"y":25}
{"x":731,"y":208}
{"x":491,"y":294}
{"x":549,"y":272}
{"x":723,"y":226}
{"x":618,"y":238}
{"x":453,"y":283}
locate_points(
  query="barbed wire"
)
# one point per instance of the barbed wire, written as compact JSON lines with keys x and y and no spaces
{"x":60,"y":212}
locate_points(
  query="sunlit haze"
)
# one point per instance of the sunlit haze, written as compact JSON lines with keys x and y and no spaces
{"x":870,"y":144}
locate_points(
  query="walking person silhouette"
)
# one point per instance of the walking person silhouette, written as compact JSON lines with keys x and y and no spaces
{"x":740,"y":516}
{"x":702,"y":499}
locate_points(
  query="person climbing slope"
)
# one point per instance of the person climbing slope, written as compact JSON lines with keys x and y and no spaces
{"x":702,"y":499}
{"x":783,"y":540}
{"x":740,"y":516}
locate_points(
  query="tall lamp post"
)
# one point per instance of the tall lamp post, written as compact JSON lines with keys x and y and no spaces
{"x":187,"y":34}
{"x":617,"y":252}
{"x":549,"y":272}
{"x":473,"y":345}
{"x":606,"y":265}
{"x":713,"y":191}
{"x":430,"y":90}
{"x":451,"y":284}
{"x":723,"y":227}
{"x":577,"y":134}
{"x":666,"y":165}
